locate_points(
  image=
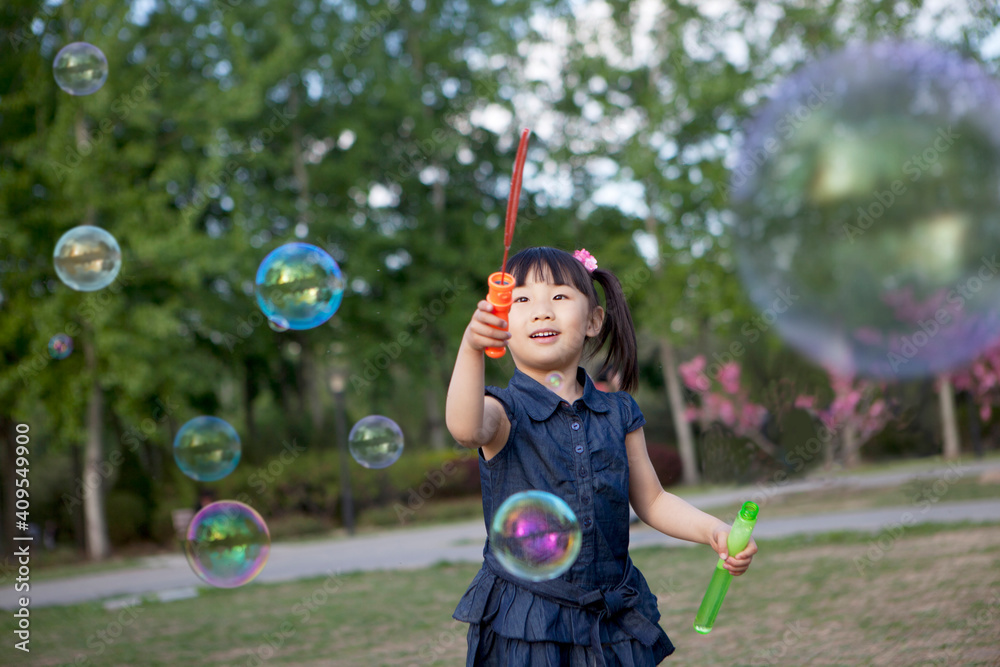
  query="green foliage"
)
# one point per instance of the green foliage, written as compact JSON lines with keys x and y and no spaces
{"x":226,"y":129}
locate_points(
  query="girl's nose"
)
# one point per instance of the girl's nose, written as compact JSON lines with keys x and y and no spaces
{"x":542,"y":314}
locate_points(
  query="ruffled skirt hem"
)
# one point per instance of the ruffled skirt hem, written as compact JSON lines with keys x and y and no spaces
{"x":489,"y":649}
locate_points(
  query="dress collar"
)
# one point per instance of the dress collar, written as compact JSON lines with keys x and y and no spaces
{"x":543,"y":401}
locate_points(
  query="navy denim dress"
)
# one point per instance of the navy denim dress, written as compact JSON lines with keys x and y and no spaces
{"x":601,"y":611}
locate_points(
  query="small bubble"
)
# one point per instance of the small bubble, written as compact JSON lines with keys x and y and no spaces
{"x":376,"y":442}
{"x":80,"y":68}
{"x":60,"y":346}
{"x":207,"y":449}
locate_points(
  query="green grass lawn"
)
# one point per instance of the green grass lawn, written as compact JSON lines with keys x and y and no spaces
{"x":930,"y":596}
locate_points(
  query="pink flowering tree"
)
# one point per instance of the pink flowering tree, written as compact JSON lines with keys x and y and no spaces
{"x":982,"y":380}
{"x":724,"y":401}
{"x":856,"y":413}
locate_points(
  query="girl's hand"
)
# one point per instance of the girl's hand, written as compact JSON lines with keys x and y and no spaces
{"x":737,"y":564}
{"x":480,"y":335}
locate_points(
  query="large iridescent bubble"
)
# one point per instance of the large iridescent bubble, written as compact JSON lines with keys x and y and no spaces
{"x":376,"y":442}
{"x":80,"y":68}
{"x":87,"y":258}
{"x":227,"y":543}
{"x":207,"y":448}
{"x":867,"y":200}
{"x":535,"y":535}
{"x":299,"y":285}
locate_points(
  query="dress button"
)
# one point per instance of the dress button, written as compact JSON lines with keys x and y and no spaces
{"x":579,"y":449}
{"x":583,"y":472}
{"x":575,"y":426}
{"x":586,"y":500}
{"x":586,"y":523}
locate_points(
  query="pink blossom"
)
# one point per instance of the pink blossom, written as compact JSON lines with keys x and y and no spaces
{"x":729,"y":377}
{"x":690,"y":413}
{"x":752,"y":417}
{"x":727,"y":413}
{"x":692,"y":375}
{"x":805,"y":402}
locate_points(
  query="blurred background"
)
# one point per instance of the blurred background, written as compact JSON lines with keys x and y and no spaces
{"x":384,"y":132}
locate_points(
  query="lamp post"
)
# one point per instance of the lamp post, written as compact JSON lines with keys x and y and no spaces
{"x":338,"y":382}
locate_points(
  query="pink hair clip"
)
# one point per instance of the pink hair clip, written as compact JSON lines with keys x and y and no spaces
{"x":589,"y":261}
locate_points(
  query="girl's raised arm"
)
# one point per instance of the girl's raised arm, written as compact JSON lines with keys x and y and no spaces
{"x":474,"y":419}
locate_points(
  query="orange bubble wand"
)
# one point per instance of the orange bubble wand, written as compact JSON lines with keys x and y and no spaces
{"x":501,"y":284}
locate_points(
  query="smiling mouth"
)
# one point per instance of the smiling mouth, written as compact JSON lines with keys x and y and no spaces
{"x":544,"y":334}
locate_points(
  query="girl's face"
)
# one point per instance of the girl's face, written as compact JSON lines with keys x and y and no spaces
{"x":549,"y":324}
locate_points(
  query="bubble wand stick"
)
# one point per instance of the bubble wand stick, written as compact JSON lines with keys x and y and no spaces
{"x":501,"y":284}
{"x":739,"y":538}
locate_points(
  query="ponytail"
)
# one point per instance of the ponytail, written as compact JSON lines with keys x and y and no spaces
{"x":619,"y":331}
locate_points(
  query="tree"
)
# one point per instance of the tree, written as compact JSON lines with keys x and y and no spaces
{"x":855,"y":414}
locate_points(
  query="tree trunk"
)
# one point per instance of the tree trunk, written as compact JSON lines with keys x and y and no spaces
{"x":8,"y":438}
{"x":313,"y":381}
{"x":829,"y":452}
{"x":851,"y":446}
{"x":685,"y":441}
{"x":975,"y":434}
{"x":79,"y":531}
{"x":249,"y":394}
{"x":95,"y":525}
{"x":949,"y":424}
{"x":435,"y":422}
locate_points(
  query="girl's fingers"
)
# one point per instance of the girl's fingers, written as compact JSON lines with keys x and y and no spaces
{"x":483,"y":329}
{"x":738,"y":564}
{"x":483,"y":342}
{"x":489,"y":319}
{"x":749,"y":551}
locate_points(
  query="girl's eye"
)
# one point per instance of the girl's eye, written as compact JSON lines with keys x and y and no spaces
{"x":559,"y":296}
{"x":520,"y":299}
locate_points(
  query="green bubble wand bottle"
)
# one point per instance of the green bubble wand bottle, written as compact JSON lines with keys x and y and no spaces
{"x":739,"y":538}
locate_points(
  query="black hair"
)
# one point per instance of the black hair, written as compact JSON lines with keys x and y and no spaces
{"x":617,"y":329}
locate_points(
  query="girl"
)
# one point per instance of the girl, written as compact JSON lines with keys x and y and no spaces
{"x":580,"y":444}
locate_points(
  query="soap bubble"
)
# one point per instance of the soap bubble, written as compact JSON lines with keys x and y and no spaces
{"x":207,"y":449}
{"x":376,"y":442}
{"x":554,"y":379}
{"x":80,"y":68}
{"x":278,"y":323}
{"x":535,"y":535}
{"x":867,"y":198}
{"x":60,"y":346}
{"x":300,"y":284}
{"x":227,"y":543}
{"x":87,"y":258}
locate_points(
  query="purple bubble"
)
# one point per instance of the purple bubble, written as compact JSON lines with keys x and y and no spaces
{"x":535,"y":535}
